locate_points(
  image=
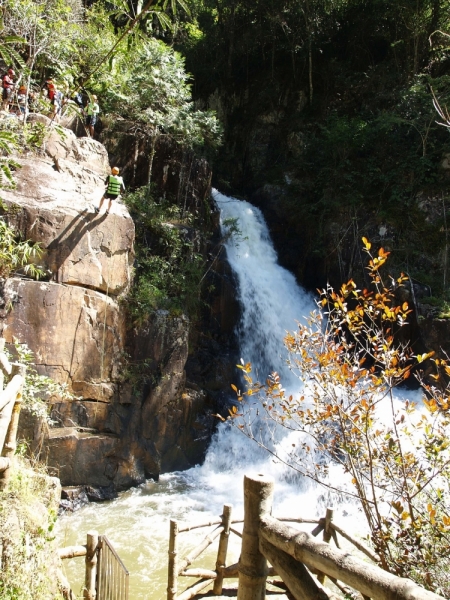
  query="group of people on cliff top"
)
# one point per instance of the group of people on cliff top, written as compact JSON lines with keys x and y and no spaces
{"x":21,"y":100}
{"x":15,"y":96}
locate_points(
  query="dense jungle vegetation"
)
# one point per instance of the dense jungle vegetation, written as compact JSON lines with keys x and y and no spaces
{"x":330,"y":125}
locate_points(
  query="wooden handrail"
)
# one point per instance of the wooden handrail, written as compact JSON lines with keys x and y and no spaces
{"x":9,"y":394}
{"x":10,"y":402}
{"x":5,"y":365}
{"x":296,"y":556}
{"x":370,"y":580}
{"x":72,"y":551}
{"x":299,"y":580}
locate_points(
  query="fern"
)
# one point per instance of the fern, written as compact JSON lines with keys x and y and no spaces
{"x":16,"y":255}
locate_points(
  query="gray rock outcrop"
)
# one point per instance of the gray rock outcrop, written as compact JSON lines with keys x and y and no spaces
{"x":53,"y":205}
{"x":134,"y":414}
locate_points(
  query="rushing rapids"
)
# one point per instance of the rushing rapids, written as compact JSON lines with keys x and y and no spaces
{"x":138,"y":521}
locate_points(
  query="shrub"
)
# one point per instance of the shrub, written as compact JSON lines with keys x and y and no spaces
{"x":169,"y":265}
{"x":395,"y":454}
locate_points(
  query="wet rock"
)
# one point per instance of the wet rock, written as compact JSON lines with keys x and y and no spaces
{"x":436,"y":335}
{"x":72,"y":499}
{"x":100,"y":494}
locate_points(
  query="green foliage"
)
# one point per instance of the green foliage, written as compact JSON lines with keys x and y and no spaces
{"x":16,"y":255}
{"x":233,"y":231}
{"x":153,"y":89}
{"x":39,"y":391}
{"x":25,"y":136}
{"x":44,"y":26}
{"x":149,"y":12}
{"x":169,"y":265}
{"x":8,"y":141}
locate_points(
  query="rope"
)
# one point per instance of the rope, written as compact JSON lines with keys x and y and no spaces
{"x":106,"y":308}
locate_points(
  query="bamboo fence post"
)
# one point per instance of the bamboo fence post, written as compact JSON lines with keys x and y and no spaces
{"x":258,"y":496}
{"x":90,"y":591}
{"x":223,"y":548}
{"x":2,"y":375}
{"x":10,"y":444}
{"x":327,"y":535}
{"x":172,"y":581}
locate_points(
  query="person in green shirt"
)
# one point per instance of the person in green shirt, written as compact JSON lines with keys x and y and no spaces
{"x":92,"y":110}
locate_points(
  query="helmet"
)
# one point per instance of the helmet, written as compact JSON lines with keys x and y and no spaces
{"x":115,"y":171}
{"x":11,"y":72}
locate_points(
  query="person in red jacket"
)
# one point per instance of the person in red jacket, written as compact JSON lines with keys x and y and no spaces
{"x":8,"y":88}
{"x":51,"y":89}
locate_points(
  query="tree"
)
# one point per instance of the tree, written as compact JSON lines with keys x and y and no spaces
{"x":43,"y":26}
{"x":395,"y":453}
{"x":154,"y":92}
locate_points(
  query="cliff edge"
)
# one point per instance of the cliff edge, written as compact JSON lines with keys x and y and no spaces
{"x":75,"y":322}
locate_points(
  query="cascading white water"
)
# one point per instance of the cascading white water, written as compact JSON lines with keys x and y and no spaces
{"x":270,"y":298}
{"x":137,"y":522}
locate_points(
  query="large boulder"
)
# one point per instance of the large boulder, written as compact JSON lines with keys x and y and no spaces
{"x":76,"y":334}
{"x":53,"y":204}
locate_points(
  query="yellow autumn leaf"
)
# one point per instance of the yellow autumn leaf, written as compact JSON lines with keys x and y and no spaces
{"x":366,"y":243}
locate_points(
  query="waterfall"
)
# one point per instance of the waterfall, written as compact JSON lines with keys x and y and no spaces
{"x":270,"y":298}
{"x":137,"y":522}
{"x":271,"y":305}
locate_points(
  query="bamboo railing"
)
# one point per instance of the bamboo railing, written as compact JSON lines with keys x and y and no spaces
{"x":10,"y":404}
{"x":296,"y":555}
{"x":299,"y":562}
{"x":223,"y":528}
{"x":179,"y":567}
{"x":106,"y":577}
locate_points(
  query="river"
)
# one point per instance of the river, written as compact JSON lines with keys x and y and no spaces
{"x":137,"y":522}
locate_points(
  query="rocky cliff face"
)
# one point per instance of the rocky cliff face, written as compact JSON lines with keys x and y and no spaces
{"x":75,"y":323}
